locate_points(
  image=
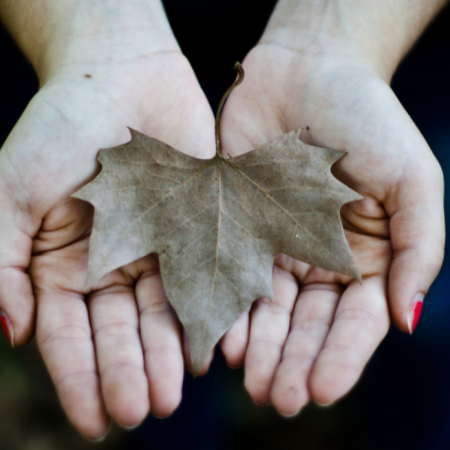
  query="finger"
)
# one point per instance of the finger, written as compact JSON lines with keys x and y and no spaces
{"x":114,"y":319}
{"x":234,"y":342}
{"x":311,"y":321}
{"x":269,"y":327}
{"x":360,"y":323}
{"x":17,"y":304}
{"x":162,"y":342}
{"x":418,"y":237}
{"x":65,"y":342}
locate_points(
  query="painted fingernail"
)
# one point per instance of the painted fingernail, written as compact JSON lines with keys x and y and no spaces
{"x":7,"y":327}
{"x":413,"y":313}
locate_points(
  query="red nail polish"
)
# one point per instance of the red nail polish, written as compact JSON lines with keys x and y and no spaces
{"x":414,"y":311}
{"x":7,"y":328}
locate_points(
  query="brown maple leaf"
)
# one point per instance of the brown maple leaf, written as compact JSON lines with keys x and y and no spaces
{"x":216,"y":224}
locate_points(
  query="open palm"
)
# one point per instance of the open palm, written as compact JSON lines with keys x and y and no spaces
{"x":116,"y":349}
{"x":314,"y":339}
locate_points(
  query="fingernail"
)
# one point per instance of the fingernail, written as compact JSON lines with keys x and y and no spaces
{"x":101,"y":439}
{"x":130,"y":428}
{"x":261,"y":405}
{"x":7,"y":327}
{"x":290,"y":416}
{"x":161,"y":417}
{"x":233,"y":367}
{"x":324,"y":405}
{"x":413,"y":313}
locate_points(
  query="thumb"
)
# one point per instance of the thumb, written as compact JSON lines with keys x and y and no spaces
{"x":17,"y":306}
{"x":418,"y":236}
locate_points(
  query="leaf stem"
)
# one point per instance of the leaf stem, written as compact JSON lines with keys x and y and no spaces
{"x":240,"y":78}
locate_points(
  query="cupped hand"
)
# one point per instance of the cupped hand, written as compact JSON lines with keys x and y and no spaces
{"x":314,"y":338}
{"x":115,"y":351}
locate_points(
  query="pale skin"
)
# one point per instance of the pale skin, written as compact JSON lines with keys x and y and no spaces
{"x":314,"y":339}
{"x":117,"y":351}
{"x":90,"y":92}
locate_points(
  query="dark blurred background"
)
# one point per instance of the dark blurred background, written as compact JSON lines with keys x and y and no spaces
{"x":403,"y":398}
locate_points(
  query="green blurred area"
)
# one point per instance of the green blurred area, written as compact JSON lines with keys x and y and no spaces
{"x":30,"y":415}
{"x":32,"y":419}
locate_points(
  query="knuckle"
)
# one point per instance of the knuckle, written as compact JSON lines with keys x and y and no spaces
{"x":64,"y":332}
{"x":299,"y":360}
{"x":311,"y":323}
{"x":353,"y":356}
{"x":162,"y":348}
{"x":361,"y":315}
{"x":157,"y":307}
{"x":74,"y":377}
{"x":114,"y":367}
{"x":115,"y":329}
{"x":271,"y":306}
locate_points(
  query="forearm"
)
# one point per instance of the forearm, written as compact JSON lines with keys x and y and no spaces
{"x":377,"y":32}
{"x":53,"y":33}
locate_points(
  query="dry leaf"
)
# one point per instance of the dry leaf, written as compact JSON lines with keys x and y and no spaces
{"x":216,"y":225}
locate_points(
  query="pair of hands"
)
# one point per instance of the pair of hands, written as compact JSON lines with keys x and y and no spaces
{"x":118,"y":350}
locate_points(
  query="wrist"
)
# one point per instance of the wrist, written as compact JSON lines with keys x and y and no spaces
{"x":375,"y":34}
{"x":87,"y":33}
